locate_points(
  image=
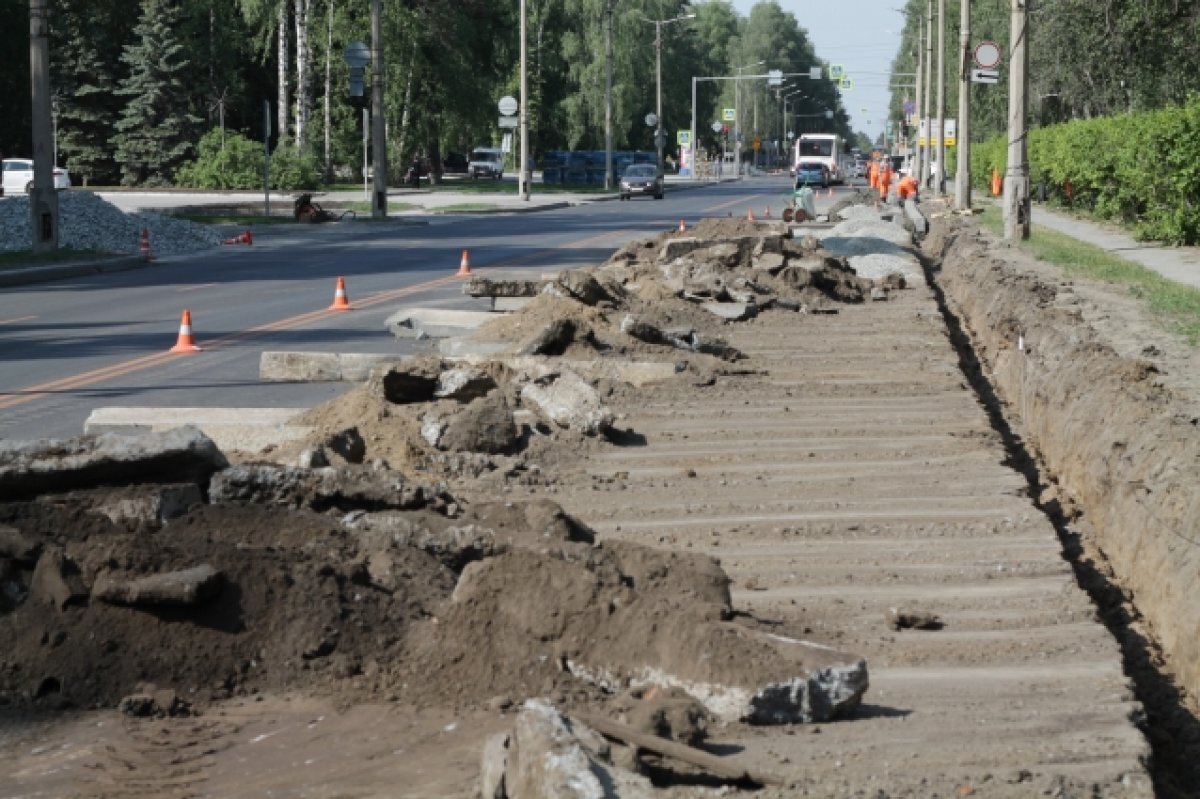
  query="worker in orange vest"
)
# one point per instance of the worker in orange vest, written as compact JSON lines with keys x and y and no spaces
{"x":906,"y":188}
{"x":997,"y":186}
{"x":873,"y":174}
{"x":885,"y":178}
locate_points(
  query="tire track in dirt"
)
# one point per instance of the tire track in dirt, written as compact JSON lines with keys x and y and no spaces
{"x":857,"y":474}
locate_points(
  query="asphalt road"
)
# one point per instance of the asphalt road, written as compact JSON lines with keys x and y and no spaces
{"x":69,"y":346}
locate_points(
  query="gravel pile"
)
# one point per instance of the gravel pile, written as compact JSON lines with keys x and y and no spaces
{"x":873,"y":246}
{"x":87,"y":222}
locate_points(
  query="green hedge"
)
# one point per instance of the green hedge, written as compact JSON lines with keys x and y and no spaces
{"x":1142,"y":170}
{"x":239,"y":165}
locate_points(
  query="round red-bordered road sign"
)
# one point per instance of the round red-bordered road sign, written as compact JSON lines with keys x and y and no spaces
{"x":987,"y":54}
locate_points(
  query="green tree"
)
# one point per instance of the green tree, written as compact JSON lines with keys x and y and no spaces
{"x":155,"y":133}
{"x":85,"y":78}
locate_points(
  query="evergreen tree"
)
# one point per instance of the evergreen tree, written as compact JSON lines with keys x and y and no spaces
{"x":156,"y":132}
{"x":86,"y":82}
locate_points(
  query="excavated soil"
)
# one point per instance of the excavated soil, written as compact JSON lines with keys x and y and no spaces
{"x":881,"y":461}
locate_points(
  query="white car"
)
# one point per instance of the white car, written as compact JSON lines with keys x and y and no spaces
{"x":18,"y":177}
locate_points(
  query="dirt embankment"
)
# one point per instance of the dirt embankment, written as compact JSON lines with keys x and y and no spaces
{"x":1109,"y":404}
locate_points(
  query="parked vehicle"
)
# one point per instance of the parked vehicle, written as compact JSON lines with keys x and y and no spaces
{"x":812,"y":173}
{"x":18,"y":177}
{"x":486,"y":162}
{"x":455,"y":164}
{"x":641,"y":179}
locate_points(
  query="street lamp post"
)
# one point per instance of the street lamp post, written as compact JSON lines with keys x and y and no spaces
{"x":659,"y":135}
{"x":737,"y":117}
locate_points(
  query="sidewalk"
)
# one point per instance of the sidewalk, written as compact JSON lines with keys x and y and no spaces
{"x":1181,"y":264}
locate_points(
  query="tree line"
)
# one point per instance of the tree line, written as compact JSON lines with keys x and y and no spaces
{"x":139,"y":84}
{"x":1088,"y":58}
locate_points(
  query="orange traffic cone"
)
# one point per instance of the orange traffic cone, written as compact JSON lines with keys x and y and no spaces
{"x":464,"y":266}
{"x":185,"y":342}
{"x":144,"y":245}
{"x":340,"y":301}
{"x":682,"y":226}
{"x":750,"y":215}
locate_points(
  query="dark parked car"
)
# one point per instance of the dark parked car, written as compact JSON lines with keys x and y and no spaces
{"x":812,"y":173}
{"x":454,"y":164}
{"x":641,"y":179}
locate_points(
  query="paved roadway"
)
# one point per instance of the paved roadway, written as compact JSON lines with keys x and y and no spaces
{"x":69,"y":346}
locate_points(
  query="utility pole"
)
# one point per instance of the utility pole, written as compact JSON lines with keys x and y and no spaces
{"x":658,"y":126}
{"x":523,"y":178}
{"x":918,"y":169}
{"x":43,"y":201}
{"x":939,"y":183}
{"x":928,"y":157}
{"x":962,"y":173}
{"x":608,"y":101}
{"x":1016,"y":178}
{"x":379,"y":182}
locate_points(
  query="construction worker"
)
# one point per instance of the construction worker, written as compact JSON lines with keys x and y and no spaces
{"x":873,"y":174}
{"x":885,"y":178}
{"x":906,"y":188}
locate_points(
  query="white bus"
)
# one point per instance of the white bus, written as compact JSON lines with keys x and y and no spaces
{"x":823,"y":147}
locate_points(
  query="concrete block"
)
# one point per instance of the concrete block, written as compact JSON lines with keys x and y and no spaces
{"x":916,"y":217}
{"x":183,"y":455}
{"x":792,"y":681}
{"x":240,"y":429}
{"x":321,"y":366}
{"x":771,"y":262}
{"x":679,"y":247}
{"x":486,"y":287}
{"x":732,"y":311}
{"x":183,"y":587}
{"x":509,"y":304}
{"x":435,"y":322}
{"x":567,"y":400}
{"x":467,"y":347}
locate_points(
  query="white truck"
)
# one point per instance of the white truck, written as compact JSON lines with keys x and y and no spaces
{"x":486,"y":162}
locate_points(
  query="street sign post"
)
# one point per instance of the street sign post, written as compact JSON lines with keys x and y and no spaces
{"x":508,"y":106}
{"x":683,"y":137}
{"x":508,"y":122}
{"x":729,"y":114}
{"x":985,"y":76}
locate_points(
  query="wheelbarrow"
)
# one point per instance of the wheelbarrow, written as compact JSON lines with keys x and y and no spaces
{"x":305,"y":210}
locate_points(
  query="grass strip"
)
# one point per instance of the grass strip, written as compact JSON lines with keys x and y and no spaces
{"x":1174,"y":305}
{"x":19,"y":258}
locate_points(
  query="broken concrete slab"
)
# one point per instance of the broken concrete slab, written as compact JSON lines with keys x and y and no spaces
{"x":321,"y":366}
{"x":551,"y":757}
{"x":635,"y":373}
{"x":412,"y":382}
{"x":181,"y":587}
{"x":583,"y":287}
{"x":569,"y":401}
{"x":183,"y":454}
{"x":463,"y":384}
{"x":231,"y":429}
{"x":435,"y":322}
{"x":795,"y":681}
{"x":732,"y":311}
{"x":770,"y":262}
{"x":487,"y":287}
{"x":351,"y":488}
{"x":156,"y":505}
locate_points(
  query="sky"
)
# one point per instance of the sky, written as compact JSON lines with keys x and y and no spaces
{"x":862,"y":36}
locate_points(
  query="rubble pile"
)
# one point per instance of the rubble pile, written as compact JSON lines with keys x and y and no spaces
{"x":149,"y":573}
